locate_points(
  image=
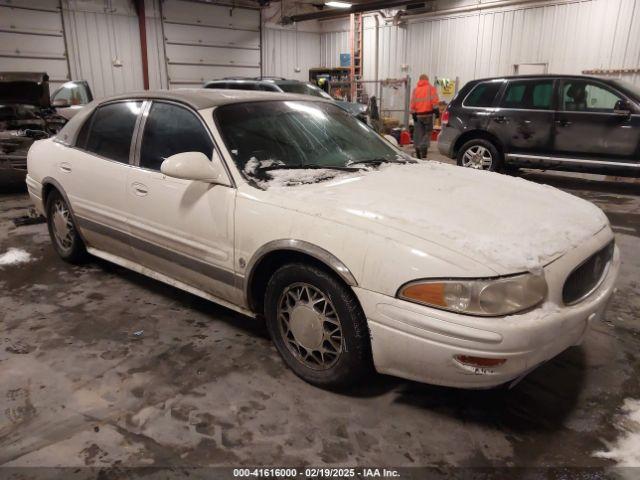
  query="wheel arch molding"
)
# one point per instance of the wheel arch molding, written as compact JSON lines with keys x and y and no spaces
{"x":283,"y":251}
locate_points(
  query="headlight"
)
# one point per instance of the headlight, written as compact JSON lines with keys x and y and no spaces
{"x":491,"y":297}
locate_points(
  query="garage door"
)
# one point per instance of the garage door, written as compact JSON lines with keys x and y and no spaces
{"x":32,"y":39}
{"x":204,"y":42}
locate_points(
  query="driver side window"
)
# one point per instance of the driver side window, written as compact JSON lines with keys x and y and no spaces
{"x":172,"y":129}
{"x":581,"y":96}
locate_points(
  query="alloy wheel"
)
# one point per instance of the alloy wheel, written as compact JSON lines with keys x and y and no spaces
{"x":310,"y":326}
{"x":477,"y":157}
{"x":63,"y":229}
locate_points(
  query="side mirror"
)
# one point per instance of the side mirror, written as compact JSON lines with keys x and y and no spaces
{"x":622,"y":107}
{"x":61,"y":103}
{"x":195,"y":166}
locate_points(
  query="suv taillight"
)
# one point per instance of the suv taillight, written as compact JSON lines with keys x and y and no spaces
{"x":445,"y":118}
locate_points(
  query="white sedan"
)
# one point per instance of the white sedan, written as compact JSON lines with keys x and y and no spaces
{"x":357,"y":256}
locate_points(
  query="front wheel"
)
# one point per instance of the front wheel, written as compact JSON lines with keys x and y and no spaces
{"x":479,"y":154}
{"x":318,"y":326}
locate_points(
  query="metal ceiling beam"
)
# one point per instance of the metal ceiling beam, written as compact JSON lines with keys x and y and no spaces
{"x":355,"y":8}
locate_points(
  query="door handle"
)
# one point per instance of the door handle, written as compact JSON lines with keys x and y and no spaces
{"x":563,"y":123}
{"x":65,"y":167}
{"x":500,"y":119}
{"x":139,"y":189}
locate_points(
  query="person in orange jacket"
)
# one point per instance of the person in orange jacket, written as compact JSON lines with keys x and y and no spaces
{"x":424,"y":105}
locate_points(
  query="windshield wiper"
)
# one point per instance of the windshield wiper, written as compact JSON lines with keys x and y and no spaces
{"x":376,"y":161}
{"x":311,"y":167}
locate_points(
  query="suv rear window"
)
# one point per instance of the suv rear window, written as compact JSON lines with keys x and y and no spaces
{"x":528,"y":95}
{"x":482,"y":95}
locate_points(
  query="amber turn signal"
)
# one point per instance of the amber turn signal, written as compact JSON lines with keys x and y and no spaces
{"x":429,"y":293}
{"x":480,"y":361}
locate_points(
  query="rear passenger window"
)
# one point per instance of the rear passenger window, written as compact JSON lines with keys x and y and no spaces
{"x":482,"y":95}
{"x":111,"y":130}
{"x":528,"y":95}
{"x":172,"y":129}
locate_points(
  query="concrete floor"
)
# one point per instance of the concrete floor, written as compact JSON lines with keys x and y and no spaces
{"x":202,"y":385}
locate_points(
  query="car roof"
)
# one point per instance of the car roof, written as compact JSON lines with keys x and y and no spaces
{"x":201,"y":98}
{"x":541,"y":75}
{"x":196,"y":98}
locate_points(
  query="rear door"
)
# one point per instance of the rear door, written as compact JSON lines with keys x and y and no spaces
{"x":94,"y":175}
{"x":180,"y":228}
{"x":587,"y":125}
{"x":524,"y":117}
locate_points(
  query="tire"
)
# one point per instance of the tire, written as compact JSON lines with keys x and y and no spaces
{"x":62,"y":230}
{"x":491,"y":158}
{"x":331,"y":351}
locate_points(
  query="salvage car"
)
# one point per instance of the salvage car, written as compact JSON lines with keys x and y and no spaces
{"x":26,"y":114}
{"x":555,"y":122}
{"x":357,"y":256}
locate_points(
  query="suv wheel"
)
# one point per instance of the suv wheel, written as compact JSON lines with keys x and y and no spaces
{"x":62,"y":230}
{"x":317,"y":326}
{"x":479,"y":154}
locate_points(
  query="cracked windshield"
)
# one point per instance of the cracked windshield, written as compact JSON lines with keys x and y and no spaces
{"x":305,"y":142}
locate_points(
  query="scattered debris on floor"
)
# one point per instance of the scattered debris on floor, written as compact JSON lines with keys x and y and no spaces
{"x":626,"y":449}
{"x":31,"y":218}
{"x":14,"y":256}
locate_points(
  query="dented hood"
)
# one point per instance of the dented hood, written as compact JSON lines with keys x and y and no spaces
{"x":507,"y":223}
{"x":24,"y":88}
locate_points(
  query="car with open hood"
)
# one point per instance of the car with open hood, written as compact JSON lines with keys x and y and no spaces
{"x":357,"y":256}
{"x":25,"y":115}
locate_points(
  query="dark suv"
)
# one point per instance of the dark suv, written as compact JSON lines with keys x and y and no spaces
{"x":556,"y":122}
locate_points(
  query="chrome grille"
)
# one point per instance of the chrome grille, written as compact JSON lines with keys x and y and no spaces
{"x":586,"y":278}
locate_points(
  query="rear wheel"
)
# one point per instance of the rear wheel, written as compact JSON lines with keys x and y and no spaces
{"x":317,"y":325}
{"x":480,"y":154}
{"x":62,"y":230}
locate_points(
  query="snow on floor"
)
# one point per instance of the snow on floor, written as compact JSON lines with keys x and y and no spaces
{"x":625,"y":451}
{"x":14,"y":256}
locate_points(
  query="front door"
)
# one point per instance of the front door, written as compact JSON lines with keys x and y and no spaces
{"x":180,"y":228}
{"x":587,"y":125}
{"x":524,"y":117}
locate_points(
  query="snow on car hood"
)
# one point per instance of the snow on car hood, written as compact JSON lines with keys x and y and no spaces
{"x":499,"y":220}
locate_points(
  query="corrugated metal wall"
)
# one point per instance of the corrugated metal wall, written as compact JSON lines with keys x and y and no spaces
{"x":158,"y":77}
{"x":334,"y":41}
{"x":289,"y":53}
{"x":103,"y":43}
{"x":32,"y":39}
{"x":569,"y":35}
{"x":204,"y":42}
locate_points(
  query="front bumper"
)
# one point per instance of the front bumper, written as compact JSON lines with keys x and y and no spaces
{"x":419,"y":343}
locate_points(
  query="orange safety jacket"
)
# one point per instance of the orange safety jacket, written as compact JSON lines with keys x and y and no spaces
{"x":424,"y":98}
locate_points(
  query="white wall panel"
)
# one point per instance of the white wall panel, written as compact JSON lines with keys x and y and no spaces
{"x":289,"y":53}
{"x":569,"y":36}
{"x":204,"y":42}
{"x":103,"y":45}
{"x":333,"y":42}
{"x":155,"y":46}
{"x":32,"y":39}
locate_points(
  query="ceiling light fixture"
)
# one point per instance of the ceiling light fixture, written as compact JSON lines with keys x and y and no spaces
{"x":338,"y":4}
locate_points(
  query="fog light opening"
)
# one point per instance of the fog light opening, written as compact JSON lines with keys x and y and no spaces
{"x":480,"y":361}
